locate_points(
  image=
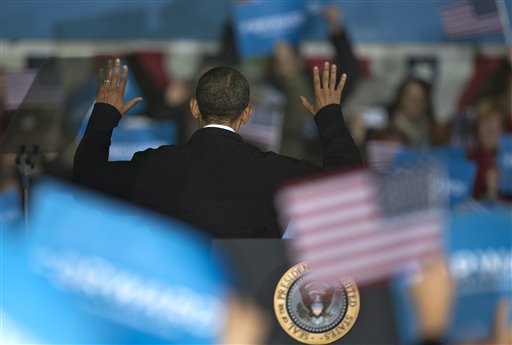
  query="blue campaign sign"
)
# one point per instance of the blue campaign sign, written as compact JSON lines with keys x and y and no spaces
{"x":449,"y":152}
{"x":479,"y":252}
{"x":133,"y":90}
{"x":505,"y":164}
{"x":91,"y":270}
{"x":260,"y":24}
{"x":460,"y":171}
{"x":137,"y":133}
{"x":10,"y":208}
{"x":77,"y":110}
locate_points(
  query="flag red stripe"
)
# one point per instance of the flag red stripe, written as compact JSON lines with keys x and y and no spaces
{"x":319,"y":188}
{"x":476,"y":30}
{"x":480,"y":24}
{"x":334,"y":232}
{"x":376,"y":272}
{"x":367,"y":248}
{"x":368,"y":239}
{"x":461,"y":20}
{"x":336,"y":198}
{"x":375,"y":263}
{"x":337,"y":221}
{"x":330,"y":206}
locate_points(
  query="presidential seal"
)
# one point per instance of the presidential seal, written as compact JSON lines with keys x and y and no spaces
{"x":315,"y":312}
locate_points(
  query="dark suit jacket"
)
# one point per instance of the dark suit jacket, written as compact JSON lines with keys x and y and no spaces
{"x":215,"y":181}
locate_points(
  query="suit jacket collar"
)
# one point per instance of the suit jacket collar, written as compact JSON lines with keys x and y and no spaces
{"x":213,"y":131}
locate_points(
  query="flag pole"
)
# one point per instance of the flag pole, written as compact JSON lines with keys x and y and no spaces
{"x":505,"y":21}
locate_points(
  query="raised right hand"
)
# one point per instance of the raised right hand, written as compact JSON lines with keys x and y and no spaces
{"x":111,"y":87}
{"x":326,"y":92}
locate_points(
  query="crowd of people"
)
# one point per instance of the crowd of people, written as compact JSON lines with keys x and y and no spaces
{"x":410,"y":117}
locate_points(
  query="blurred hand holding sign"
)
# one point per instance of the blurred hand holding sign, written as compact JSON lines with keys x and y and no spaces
{"x":91,"y":270}
{"x":478,"y":252}
{"x":260,"y":24}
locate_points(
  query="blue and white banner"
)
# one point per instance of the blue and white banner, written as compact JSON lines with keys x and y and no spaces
{"x":461,"y":172}
{"x":92,"y":270}
{"x":259,"y":25}
{"x":11,"y":212}
{"x":505,"y":164}
{"x":138,"y":133}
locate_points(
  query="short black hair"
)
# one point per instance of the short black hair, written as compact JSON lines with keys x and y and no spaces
{"x":222,"y":92}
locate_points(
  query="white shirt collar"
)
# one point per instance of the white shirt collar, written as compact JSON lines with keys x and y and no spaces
{"x":220,"y":126}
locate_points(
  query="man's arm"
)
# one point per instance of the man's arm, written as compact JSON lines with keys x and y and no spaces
{"x":339,"y":149}
{"x":91,"y":166}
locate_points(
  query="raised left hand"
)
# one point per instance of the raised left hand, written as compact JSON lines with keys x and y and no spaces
{"x":111,"y":87}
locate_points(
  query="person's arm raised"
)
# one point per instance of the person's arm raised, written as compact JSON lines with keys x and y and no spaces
{"x":339,"y":149}
{"x":91,"y":166}
{"x":340,"y":41}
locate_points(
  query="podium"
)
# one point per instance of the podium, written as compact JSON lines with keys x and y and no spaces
{"x":259,"y":265}
{"x":50,"y":115}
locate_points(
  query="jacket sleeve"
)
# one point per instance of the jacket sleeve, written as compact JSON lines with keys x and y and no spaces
{"x":338,"y":147}
{"x":91,"y":167}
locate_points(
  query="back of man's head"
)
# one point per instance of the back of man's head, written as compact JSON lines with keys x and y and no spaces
{"x":222,"y":92}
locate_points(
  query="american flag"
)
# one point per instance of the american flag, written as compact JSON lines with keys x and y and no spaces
{"x":471,"y":17}
{"x":362,"y":226}
{"x":380,"y":154}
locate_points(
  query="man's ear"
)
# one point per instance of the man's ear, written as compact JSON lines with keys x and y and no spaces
{"x":246,"y":114}
{"x":194,"y":107}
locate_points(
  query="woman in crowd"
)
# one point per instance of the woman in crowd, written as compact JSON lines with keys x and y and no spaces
{"x":488,"y":128}
{"x":411,"y":112}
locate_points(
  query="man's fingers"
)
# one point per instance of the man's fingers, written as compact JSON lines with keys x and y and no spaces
{"x":132,"y":103}
{"x":316,"y":81}
{"x":332,"y":80}
{"x":325,"y":76}
{"x":115,"y":79}
{"x":122,"y":81}
{"x":307,"y":105}
{"x":341,"y":84}
{"x":109,"y":72}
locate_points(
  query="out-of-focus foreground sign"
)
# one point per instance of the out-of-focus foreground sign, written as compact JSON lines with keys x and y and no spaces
{"x":91,"y":270}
